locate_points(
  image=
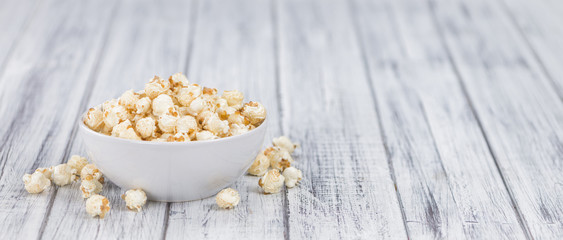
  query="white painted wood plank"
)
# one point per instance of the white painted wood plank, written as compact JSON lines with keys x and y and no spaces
{"x":234,"y":49}
{"x":540,"y":26}
{"x":347,"y":191}
{"x":15,"y":15}
{"x":147,"y":38}
{"x":519,"y":110}
{"x":446,"y":177}
{"x":40,"y":95}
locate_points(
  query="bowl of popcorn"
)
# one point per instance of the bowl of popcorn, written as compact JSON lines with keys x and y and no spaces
{"x":175,"y":140}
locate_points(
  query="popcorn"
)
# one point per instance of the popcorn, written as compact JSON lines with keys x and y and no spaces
{"x":174,"y":110}
{"x":162,"y":104}
{"x":77,"y":162}
{"x":234,"y":98}
{"x":272,"y":181}
{"x":63,"y":174}
{"x":279,"y":158}
{"x":260,"y":165}
{"x":90,"y":186}
{"x":47,"y":172}
{"x":227,"y":198}
{"x":156,"y":86}
{"x":128,"y":99}
{"x":285,"y":143}
{"x":146,"y":127}
{"x":255,"y":112}
{"x":97,"y":205}
{"x":36,"y":182}
{"x":205,"y":135}
{"x":91,"y":169}
{"x":292,"y":176}
{"x":135,"y":199}
{"x":94,"y":119}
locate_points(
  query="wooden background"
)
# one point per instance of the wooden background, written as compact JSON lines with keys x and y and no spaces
{"x":420,"y":119}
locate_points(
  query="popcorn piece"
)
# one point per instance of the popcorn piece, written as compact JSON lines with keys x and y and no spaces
{"x":63,"y":174}
{"x":260,"y":165}
{"x":279,"y":158}
{"x":272,"y":181}
{"x":227,"y":198}
{"x":91,"y":169}
{"x":143,"y":105}
{"x":90,"y":186}
{"x":97,"y":205}
{"x":36,"y":182}
{"x":115,"y":115}
{"x":179,"y":137}
{"x":217,"y":126}
{"x":188,"y":94}
{"x":237,"y":129}
{"x":234,"y":98}
{"x":196,"y":106}
{"x":94,"y":119}
{"x":135,"y":199}
{"x":146,"y":127}
{"x":156,"y":86}
{"x":167,"y":123}
{"x":47,"y":172}
{"x":292,"y":176}
{"x":125,"y":130}
{"x":162,"y":104}
{"x":128,"y":99}
{"x":255,"y":112}
{"x":178,"y":79}
{"x":238,"y":118}
{"x":186,"y":124}
{"x":209,"y":91}
{"x":77,"y":162}
{"x":285,"y":143}
{"x":205,"y":135}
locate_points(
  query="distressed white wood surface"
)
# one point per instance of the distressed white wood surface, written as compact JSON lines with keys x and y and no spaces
{"x":142,"y":42}
{"x":348,"y":191}
{"x":40,"y":92}
{"x":448,"y":184}
{"x":520,"y":112}
{"x":18,"y":13}
{"x":234,"y":49}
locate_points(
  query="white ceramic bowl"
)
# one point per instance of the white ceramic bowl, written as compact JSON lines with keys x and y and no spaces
{"x":173,"y":171}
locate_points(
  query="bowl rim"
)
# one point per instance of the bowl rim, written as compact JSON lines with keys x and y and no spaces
{"x":87,"y":130}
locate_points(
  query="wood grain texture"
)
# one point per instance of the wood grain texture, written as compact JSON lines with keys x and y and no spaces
{"x":146,"y":38}
{"x":18,"y":13}
{"x":234,"y":49}
{"x":519,"y":111}
{"x":447,"y":178}
{"x":40,"y":94}
{"x":347,"y":191}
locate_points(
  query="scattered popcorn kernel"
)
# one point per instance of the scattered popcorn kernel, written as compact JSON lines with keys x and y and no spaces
{"x":187,"y":94}
{"x":90,"y":186}
{"x":146,"y":127}
{"x":63,"y":174}
{"x":255,"y":112}
{"x":227,"y":198}
{"x":292,"y":176}
{"x":128,"y":99}
{"x":205,"y":135}
{"x":47,"y":172}
{"x":143,"y":105}
{"x":272,"y":181}
{"x":162,"y":104}
{"x":285,"y":143}
{"x":260,"y":165}
{"x":135,"y":199}
{"x":186,"y":124}
{"x":77,"y":162}
{"x":234,"y":98}
{"x":279,"y":158}
{"x":237,"y":129}
{"x":156,"y":86}
{"x":91,"y":169}
{"x":167,"y":123}
{"x":97,"y":205}
{"x":94,"y":119}
{"x":115,"y":115}
{"x":36,"y":182}
{"x":217,"y":126}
